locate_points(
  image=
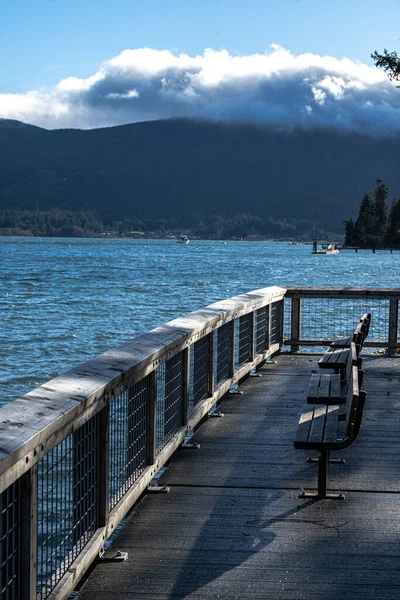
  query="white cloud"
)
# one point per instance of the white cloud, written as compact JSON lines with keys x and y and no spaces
{"x":275,"y":88}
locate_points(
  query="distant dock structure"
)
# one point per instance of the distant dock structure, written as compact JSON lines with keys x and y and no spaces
{"x":373,"y":250}
{"x":325,"y":248}
{"x":335,"y":248}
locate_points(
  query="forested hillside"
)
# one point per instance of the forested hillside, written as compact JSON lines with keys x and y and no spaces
{"x":221,"y":180}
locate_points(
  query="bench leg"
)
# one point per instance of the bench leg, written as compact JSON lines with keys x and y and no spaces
{"x":323,"y":466}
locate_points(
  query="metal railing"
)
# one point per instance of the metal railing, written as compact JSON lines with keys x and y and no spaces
{"x":77,"y":452}
{"x":315,"y":316}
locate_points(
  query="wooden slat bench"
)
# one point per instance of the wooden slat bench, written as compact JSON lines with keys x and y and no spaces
{"x":334,"y":358}
{"x":319,"y":429}
{"x":358,"y":337}
{"x":331,"y":388}
{"x":325,"y":388}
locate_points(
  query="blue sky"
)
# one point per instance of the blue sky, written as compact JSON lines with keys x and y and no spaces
{"x":43,"y":41}
{"x":65,"y":64}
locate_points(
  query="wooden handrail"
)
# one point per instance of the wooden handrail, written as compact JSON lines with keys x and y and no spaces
{"x":33,"y":424}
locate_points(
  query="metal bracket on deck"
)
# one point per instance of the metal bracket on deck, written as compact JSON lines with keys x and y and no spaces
{"x":216,"y":413}
{"x":157,"y":489}
{"x":118,"y":557}
{"x":328,"y":496}
{"x":190,"y":446}
{"x":235,"y":393}
{"x":315,"y":459}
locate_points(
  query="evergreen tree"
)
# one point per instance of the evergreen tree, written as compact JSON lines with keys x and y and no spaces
{"x":393,"y":231}
{"x":389,"y":62}
{"x":364,"y":228}
{"x":380,"y":209}
{"x":350,"y":233}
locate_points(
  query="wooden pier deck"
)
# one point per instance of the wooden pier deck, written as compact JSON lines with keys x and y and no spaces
{"x":232,"y":525}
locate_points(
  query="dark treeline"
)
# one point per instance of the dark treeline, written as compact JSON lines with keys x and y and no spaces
{"x":58,"y":223}
{"x":375,"y":227}
{"x":50,"y":223}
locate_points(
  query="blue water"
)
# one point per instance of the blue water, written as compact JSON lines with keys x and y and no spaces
{"x":63,"y":301}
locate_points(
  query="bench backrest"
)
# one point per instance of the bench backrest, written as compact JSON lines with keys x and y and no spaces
{"x":366,"y":321}
{"x":359,"y":336}
{"x":352,"y":360}
{"x":352,"y":401}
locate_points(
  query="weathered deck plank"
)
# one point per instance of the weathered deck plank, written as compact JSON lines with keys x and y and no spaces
{"x":232,"y":525}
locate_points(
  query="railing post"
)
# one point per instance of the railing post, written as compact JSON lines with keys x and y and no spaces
{"x":29,"y":524}
{"x":185,"y":384}
{"x":393,"y":325}
{"x":267,"y":325}
{"x":152,"y":425}
{"x":295,"y":323}
{"x":211,"y":359}
{"x":104,"y":465}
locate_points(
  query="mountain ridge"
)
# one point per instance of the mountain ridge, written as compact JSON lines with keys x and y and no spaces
{"x":192,"y":171}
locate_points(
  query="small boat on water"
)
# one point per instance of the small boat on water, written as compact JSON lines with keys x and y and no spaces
{"x":183,"y":240}
{"x":329,"y":249}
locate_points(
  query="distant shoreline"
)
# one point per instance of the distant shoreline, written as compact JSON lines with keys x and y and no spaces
{"x":170,"y":238}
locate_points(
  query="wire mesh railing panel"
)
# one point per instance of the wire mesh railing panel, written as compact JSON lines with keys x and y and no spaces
{"x":118,"y":447}
{"x":129,"y":423}
{"x":398,"y":324}
{"x":328,"y":318}
{"x":201,"y":369}
{"x":275,"y":334}
{"x":10,"y":542}
{"x":67,"y":503}
{"x":235,"y":343}
{"x":245,"y":337}
{"x":169,"y":399}
{"x":223,"y":352}
{"x":287,"y":318}
{"x":260,"y":330}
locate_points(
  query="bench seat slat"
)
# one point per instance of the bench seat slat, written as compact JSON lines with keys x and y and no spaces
{"x":304,"y":425}
{"x":313,"y":388}
{"x":331,"y":424}
{"x":335,"y":387}
{"x":318,"y":424}
{"x":325,"y":385}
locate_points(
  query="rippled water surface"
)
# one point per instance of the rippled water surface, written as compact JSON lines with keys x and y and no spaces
{"x":63,"y":301}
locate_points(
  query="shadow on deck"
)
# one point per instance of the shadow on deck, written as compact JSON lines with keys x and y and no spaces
{"x":233,"y":526}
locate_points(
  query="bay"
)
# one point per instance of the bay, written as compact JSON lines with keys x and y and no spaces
{"x":64,"y":301}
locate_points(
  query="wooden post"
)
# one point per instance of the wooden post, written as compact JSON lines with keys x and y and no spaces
{"x":296,"y":323}
{"x":29,"y":521}
{"x":104,"y":465}
{"x":152,"y":425}
{"x":393,"y":325}
{"x":211,"y":358}
{"x":185,"y":384}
